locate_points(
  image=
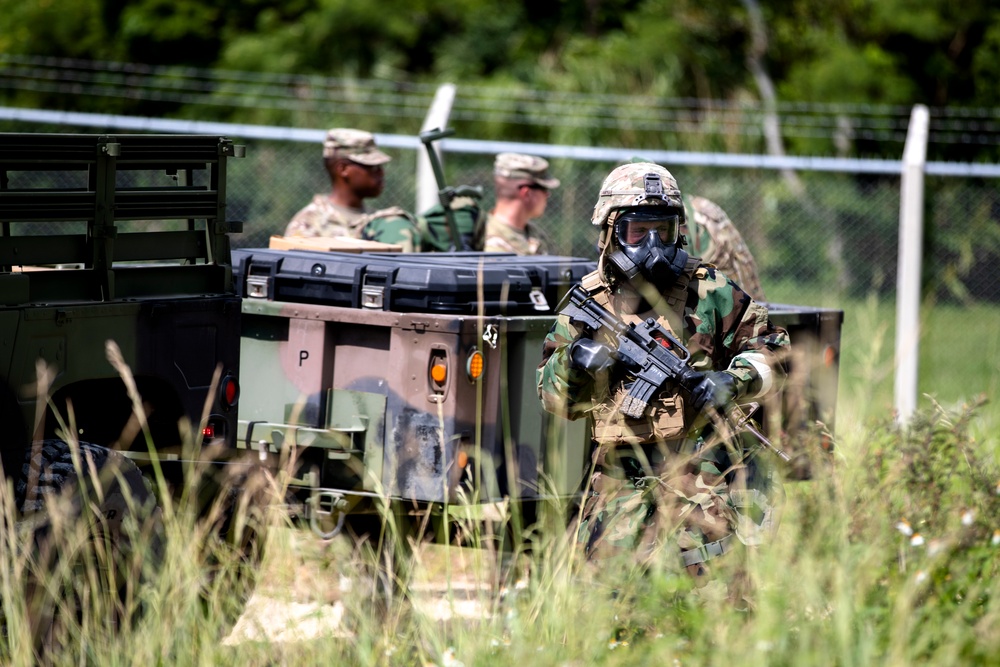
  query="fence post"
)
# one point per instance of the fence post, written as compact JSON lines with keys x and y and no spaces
{"x":437,"y":117}
{"x":911,"y":236}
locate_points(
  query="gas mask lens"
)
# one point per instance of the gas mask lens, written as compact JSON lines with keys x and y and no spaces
{"x":634,"y":226}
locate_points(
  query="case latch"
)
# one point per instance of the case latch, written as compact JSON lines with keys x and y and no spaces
{"x":372,"y":295}
{"x":257,"y":286}
{"x":538,"y":299}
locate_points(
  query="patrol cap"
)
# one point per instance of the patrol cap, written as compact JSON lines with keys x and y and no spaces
{"x":527,"y":167}
{"x":354,"y":145}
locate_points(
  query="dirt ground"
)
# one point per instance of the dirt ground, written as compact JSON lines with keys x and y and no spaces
{"x":306,"y":581}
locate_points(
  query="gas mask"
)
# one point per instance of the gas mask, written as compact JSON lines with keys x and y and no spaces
{"x":646,"y":242}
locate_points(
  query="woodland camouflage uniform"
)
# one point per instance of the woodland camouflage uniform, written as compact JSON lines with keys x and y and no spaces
{"x":663,"y":479}
{"x":712,"y":236}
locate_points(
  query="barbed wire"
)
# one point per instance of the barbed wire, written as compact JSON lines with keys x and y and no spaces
{"x":485,"y":104}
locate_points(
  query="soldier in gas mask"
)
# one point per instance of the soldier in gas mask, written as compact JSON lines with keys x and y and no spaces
{"x":663,"y":483}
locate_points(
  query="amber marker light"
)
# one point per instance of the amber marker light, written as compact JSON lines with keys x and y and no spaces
{"x":474,"y":366}
{"x":829,"y":356}
{"x":439,"y":373}
{"x":462,"y":459}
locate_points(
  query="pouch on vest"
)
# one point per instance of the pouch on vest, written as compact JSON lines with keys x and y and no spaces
{"x":663,"y":420}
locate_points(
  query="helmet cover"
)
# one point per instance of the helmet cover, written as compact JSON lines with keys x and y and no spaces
{"x":636,"y":184}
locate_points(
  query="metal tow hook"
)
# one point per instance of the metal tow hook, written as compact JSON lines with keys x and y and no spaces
{"x":319,"y":499}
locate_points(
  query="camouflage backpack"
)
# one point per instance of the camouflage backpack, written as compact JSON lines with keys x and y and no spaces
{"x":469,"y":217}
{"x":390,"y":225}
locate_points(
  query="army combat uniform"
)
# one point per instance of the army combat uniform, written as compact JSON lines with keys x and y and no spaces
{"x":516,"y":170}
{"x":321,"y":217}
{"x":686,"y":491}
{"x":501,"y":237}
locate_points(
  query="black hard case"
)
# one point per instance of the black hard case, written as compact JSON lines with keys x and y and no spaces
{"x":429,"y":283}
{"x":551,"y":276}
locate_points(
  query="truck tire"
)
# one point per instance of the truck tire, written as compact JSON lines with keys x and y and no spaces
{"x":240,"y":521}
{"x":94,"y":524}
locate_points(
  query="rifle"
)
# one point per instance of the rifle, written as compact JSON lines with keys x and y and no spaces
{"x":446,"y":193}
{"x":656,"y":354}
{"x":647,"y":346}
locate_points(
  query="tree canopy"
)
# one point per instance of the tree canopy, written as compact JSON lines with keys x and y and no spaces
{"x":715,"y":54}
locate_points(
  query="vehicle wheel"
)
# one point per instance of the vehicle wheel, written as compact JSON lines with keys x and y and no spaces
{"x":96,"y":536}
{"x":240,"y":520}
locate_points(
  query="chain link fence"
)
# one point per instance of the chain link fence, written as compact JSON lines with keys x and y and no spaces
{"x":811,"y":232}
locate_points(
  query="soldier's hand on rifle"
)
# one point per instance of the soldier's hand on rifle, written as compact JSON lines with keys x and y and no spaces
{"x":591,"y":356}
{"x":715,"y":388}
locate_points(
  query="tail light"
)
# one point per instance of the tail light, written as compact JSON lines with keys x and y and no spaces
{"x":229,"y":392}
{"x":214,"y":430}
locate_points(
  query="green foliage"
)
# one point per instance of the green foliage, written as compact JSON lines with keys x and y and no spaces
{"x":943,"y":500}
{"x":74,"y":30}
{"x":892,"y":52}
{"x":963,"y":238}
{"x":165,"y":22}
{"x":842,"y":72}
{"x":986,"y":63}
{"x":176,"y":588}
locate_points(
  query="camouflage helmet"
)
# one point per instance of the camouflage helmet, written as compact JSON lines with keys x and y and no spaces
{"x":636,"y":184}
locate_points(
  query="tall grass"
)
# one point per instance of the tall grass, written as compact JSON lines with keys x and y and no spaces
{"x":889,"y":557}
{"x":185,"y":583}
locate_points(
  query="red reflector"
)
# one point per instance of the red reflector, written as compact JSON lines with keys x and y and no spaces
{"x":230,"y":392}
{"x":208,"y":431}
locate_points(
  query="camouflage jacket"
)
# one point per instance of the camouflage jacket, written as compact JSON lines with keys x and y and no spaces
{"x":713,"y":237}
{"x":501,"y":237}
{"x":723,"y":328}
{"x":321,"y":217}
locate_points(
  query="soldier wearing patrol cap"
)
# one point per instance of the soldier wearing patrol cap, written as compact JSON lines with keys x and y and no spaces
{"x":669,"y":477}
{"x":356,"y":169}
{"x":523,"y":185}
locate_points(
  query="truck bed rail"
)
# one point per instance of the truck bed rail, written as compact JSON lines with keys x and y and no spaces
{"x":110,"y":205}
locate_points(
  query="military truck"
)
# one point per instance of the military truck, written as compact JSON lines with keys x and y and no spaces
{"x":408,"y":381}
{"x":115,"y":248}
